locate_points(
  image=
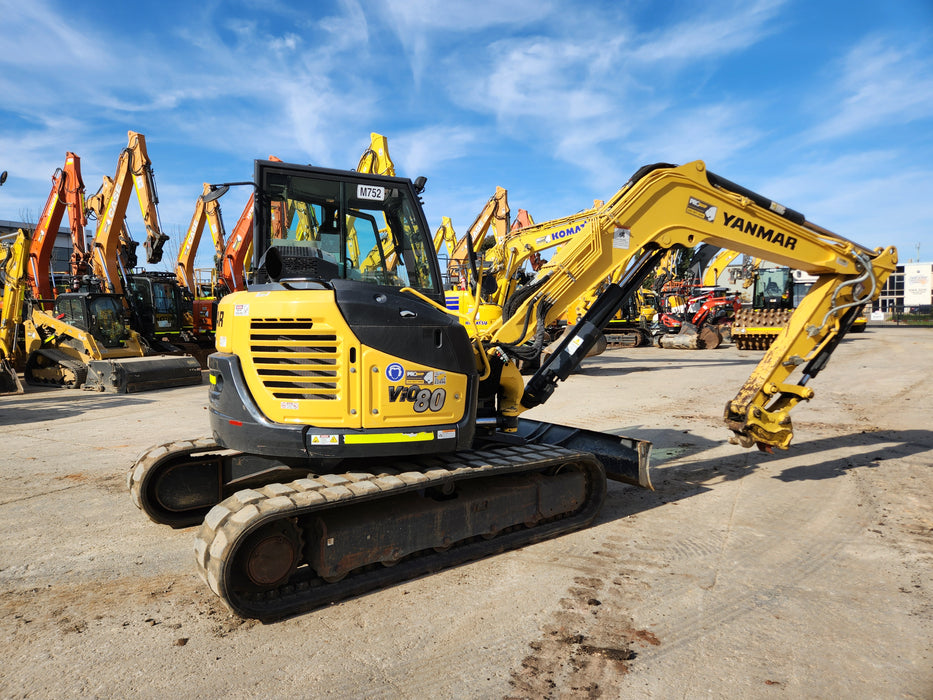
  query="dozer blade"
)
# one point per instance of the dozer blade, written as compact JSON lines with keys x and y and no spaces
{"x":9,"y":380}
{"x":132,"y":374}
{"x":624,"y":459}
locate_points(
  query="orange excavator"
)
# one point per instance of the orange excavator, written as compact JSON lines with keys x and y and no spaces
{"x":85,"y":340}
{"x":495,"y":214}
{"x":238,"y":250}
{"x":156,"y":302}
{"x":203,"y":300}
{"x":67,"y":194}
{"x":133,"y":167}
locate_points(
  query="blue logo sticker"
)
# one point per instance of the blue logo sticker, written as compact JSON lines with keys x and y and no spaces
{"x":395,"y":372}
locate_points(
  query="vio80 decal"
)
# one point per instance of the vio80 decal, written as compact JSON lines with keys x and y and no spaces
{"x":423,"y":399}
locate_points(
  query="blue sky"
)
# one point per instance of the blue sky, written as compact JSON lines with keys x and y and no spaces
{"x":824,"y":106}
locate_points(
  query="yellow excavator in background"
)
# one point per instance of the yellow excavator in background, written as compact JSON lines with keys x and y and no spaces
{"x":717,"y":266}
{"x":205,"y":214}
{"x":362,"y":435}
{"x":495,"y":215}
{"x":445,"y":237}
{"x":13,"y":256}
{"x":84,"y":341}
{"x":500,"y":267}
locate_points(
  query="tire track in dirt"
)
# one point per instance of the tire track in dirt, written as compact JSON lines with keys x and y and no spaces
{"x":588,"y":647}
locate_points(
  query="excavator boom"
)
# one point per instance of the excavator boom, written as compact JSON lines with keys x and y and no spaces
{"x":67,"y":194}
{"x":664,"y":206}
{"x":204,"y":213}
{"x":133,"y":168}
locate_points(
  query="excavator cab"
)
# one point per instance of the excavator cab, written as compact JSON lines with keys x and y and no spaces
{"x":101,"y":315}
{"x":317,"y":225}
{"x":160,"y":304}
{"x":774,"y":289}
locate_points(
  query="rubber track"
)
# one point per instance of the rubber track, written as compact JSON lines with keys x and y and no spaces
{"x":229,"y":523}
{"x":138,"y":473}
{"x":60,"y":358}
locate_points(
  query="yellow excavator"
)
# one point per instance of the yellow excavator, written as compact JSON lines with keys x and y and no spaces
{"x":445,"y":237}
{"x":14,"y":253}
{"x":362,"y":434}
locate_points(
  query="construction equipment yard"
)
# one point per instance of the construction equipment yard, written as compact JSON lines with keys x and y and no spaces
{"x":807,"y":572}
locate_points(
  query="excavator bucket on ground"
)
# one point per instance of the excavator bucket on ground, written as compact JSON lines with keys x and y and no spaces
{"x":9,"y":380}
{"x":131,"y":374}
{"x":690,"y":338}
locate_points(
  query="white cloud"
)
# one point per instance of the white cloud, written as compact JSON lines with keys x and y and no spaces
{"x":859,"y":195}
{"x":414,"y":16}
{"x":713,"y":132}
{"x":879,"y":84}
{"x":36,"y":34}
{"x":429,"y":149}
{"x":421,"y":25}
{"x":724,"y":29}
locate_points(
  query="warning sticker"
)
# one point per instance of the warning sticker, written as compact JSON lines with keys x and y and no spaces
{"x":325,"y":439}
{"x":414,"y":376}
{"x":241,"y":310}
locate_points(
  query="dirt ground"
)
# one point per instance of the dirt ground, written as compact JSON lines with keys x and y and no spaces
{"x":806,"y":573}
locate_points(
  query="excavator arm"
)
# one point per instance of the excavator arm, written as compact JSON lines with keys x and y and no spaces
{"x":238,"y":248}
{"x":204,"y":213}
{"x":133,"y":166}
{"x":67,"y":193}
{"x":663,"y":207}
{"x":445,"y":236}
{"x":495,"y":214}
{"x":717,"y":265}
{"x":375,"y":159}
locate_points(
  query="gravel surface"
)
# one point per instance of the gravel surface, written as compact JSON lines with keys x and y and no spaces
{"x":808,"y":572}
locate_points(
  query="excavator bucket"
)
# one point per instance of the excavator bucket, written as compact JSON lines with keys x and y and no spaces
{"x":9,"y":380}
{"x":624,"y":459}
{"x":690,"y":338}
{"x":132,"y":374}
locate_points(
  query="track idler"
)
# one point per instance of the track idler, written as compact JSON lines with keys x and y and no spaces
{"x":177,"y":483}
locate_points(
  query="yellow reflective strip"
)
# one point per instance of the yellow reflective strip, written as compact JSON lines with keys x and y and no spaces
{"x":213,"y":379}
{"x":369,"y":438}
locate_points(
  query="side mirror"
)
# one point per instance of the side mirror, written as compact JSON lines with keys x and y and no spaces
{"x":216,"y":192}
